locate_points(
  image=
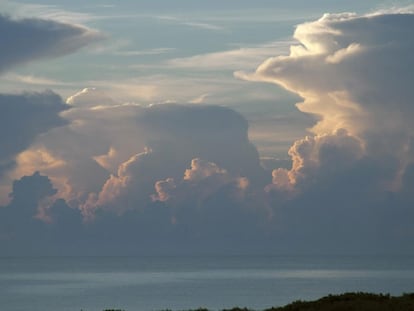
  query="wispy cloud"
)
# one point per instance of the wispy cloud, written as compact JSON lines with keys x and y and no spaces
{"x":156,"y":51}
{"x":200,"y":99}
{"x":33,"y":80}
{"x":408,"y":9}
{"x":124,"y":47}
{"x":188,"y":22}
{"x":162,"y":88}
{"x":51,"y":12}
{"x":249,"y":57}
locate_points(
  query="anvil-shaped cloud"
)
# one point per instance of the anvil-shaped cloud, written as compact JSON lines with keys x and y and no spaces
{"x":25,"y":40}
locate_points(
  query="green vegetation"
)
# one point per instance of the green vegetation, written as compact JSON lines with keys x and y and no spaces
{"x":346,"y":302}
{"x":353,"y":302}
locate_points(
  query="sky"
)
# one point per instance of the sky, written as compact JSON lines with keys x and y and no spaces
{"x":192,"y":127}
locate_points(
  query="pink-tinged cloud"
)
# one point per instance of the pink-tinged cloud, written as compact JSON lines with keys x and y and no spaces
{"x":174,"y":136}
{"x":354,"y":73}
{"x":23,"y":117}
{"x":199,"y":182}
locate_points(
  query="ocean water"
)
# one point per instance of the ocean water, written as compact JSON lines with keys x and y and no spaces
{"x":156,"y":283}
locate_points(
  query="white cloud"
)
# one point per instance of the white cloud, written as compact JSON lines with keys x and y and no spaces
{"x":348,"y":69}
{"x":353,"y":72}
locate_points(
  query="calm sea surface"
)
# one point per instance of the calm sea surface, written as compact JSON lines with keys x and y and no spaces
{"x":155,"y":283}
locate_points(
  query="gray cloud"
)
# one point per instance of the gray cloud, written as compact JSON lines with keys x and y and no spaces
{"x":25,"y":40}
{"x":215,"y":134}
{"x":35,"y":221}
{"x":173,"y":136}
{"x":28,"y":192}
{"x":22,"y":118}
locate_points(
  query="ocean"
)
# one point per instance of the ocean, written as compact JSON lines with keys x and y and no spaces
{"x":177,"y":283}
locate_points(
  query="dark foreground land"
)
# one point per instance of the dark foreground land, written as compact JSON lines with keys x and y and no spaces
{"x":353,"y":302}
{"x":344,"y":302}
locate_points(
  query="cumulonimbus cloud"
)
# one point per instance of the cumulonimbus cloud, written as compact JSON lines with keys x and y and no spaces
{"x":354,"y":73}
{"x":174,"y":135}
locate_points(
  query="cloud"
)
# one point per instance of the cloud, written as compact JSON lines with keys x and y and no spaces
{"x":156,"y":51}
{"x":200,"y":99}
{"x":316,"y":156}
{"x":178,"y":139}
{"x":338,"y":69}
{"x":154,"y":144}
{"x":173,"y":136}
{"x":190,"y":23}
{"x":28,"y":192}
{"x":96,"y":163}
{"x":32,"y":80}
{"x":22,"y":118}
{"x":90,"y":97}
{"x":52,"y":143}
{"x":29,"y":39}
{"x":99,"y":166}
{"x":213,"y":204}
{"x":213,"y":133}
{"x":351,"y":72}
{"x":177,"y":177}
{"x":48,"y":12}
{"x":249,"y":57}
{"x":200,"y":181}
{"x":35,"y":221}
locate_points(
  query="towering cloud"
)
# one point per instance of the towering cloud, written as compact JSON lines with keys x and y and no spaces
{"x":354,"y":73}
{"x":174,"y":135}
